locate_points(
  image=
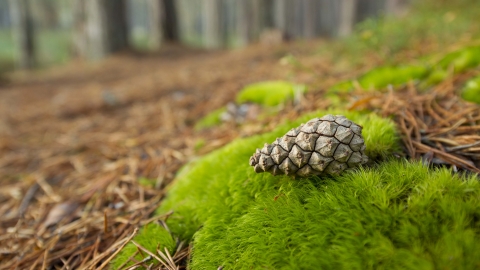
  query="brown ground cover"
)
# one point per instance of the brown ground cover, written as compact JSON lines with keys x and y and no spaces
{"x":75,"y":141}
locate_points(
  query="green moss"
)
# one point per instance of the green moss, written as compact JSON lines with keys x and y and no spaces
{"x":269,"y":93}
{"x":435,"y":77}
{"x":342,"y":87}
{"x":210,"y":120}
{"x":471,"y":91}
{"x":399,"y":215}
{"x":146,"y":182}
{"x":442,"y":23}
{"x":462,"y":59}
{"x":221,"y":186}
{"x":151,"y":237}
{"x":380,"y":78}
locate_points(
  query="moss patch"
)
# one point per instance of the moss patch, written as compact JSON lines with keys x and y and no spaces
{"x":462,"y":59}
{"x":379,"y":78}
{"x":220,"y":188}
{"x":211,"y":119}
{"x":270,"y":93}
{"x":397,"y":216}
{"x":471,"y":91}
{"x":151,"y":237}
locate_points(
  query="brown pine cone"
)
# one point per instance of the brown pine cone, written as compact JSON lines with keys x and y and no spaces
{"x":327,"y":145}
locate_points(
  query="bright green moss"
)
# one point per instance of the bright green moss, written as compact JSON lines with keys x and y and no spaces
{"x":146,"y":182}
{"x":398,"y":215}
{"x":151,"y":237}
{"x":211,"y":119}
{"x":380,"y":78}
{"x":342,"y":87}
{"x":269,"y":93}
{"x":221,"y":186}
{"x":471,"y":91}
{"x":461,"y":60}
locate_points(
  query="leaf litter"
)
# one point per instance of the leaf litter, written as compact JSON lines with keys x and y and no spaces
{"x":74,"y":143}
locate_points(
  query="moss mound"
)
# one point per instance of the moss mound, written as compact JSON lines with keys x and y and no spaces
{"x":397,"y":216}
{"x":217,"y":190}
{"x":471,"y":91}
{"x":462,"y":59}
{"x":270,"y":93}
{"x":211,"y":119}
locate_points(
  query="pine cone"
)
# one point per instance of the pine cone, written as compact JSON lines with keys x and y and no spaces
{"x":327,"y":145}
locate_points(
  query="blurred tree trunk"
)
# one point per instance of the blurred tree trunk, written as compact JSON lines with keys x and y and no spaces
{"x":24,"y":33}
{"x":211,"y":23}
{"x":171,"y":20}
{"x":309,"y":18}
{"x":242,"y":24}
{"x":156,"y":16}
{"x":347,"y":17}
{"x":101,"y":27}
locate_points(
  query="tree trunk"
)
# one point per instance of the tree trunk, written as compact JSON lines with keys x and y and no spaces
{"x":211,"y":24}
{"x":100,"y":26}
{"x":156,"y":17}
{"x":171,"y":19}
{"x":347,"y":17}
{"x":24,"y":32}
{"x":309,"y":19}
{"x":242,"y":24}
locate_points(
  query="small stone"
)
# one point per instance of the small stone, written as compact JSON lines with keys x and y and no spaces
{"x":306,"y":141}
{"x":326,"y":128}
{"x":298,"y":156}
{"x":344,"y":134}
{"x":326,"y":146}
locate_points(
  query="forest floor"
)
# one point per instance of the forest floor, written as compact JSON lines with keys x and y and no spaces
{"x":86,"y":150}
{"x":77,"y":141}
